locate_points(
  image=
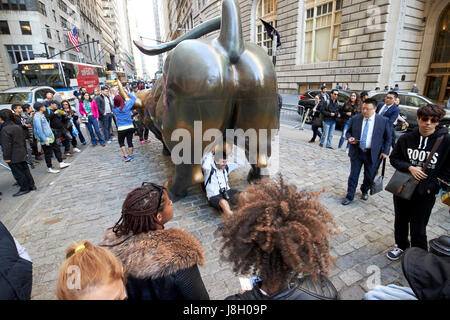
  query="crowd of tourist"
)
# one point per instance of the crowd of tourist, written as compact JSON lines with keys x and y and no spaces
{"x":53,"y":128}
{"x":271,"y":232}
{"x":278,"y":235}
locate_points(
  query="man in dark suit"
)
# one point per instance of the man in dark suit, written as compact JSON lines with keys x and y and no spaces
{"x":370,"y":137}
{"x":388,"y":109}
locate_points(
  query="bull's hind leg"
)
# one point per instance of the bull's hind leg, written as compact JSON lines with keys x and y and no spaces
{"x":178,"y":185}
{"x":257,"y":109}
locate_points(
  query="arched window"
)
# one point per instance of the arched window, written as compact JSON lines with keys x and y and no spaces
{"x":442,"y":50}
{"x":266,"y":10}
{"x":438,"y":80}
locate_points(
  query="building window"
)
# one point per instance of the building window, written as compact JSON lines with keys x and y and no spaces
{"x":13,"y":5}
{"x":25,"y":27}
{"x":322,"y":30}
{"x":49,"y":32}
{"x":4,"y":27}
{"x":51,"y":51}
{"x":442,"y":48}
{"x":267,"y":11}
{"x":64,"y":23}
{"x":41,"y":8}
{"x":58,"y":36}
{"x":19,"y":53}
{"x":62,"y":5}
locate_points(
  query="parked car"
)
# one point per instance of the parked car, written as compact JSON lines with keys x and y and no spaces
{"x":23,"y":95}
{"x":307,"y":102}
{"x":409,"y":104}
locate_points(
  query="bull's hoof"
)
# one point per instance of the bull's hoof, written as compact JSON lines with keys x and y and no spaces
{"x":174,"y":195}
{"x":255,"y":176}
{"x":166,"y":152}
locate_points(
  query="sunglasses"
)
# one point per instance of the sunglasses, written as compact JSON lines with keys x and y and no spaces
{"x":432,"y":119}
{"x":157,"y":187}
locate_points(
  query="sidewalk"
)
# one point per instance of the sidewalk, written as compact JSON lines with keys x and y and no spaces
{"x":86,"y":199}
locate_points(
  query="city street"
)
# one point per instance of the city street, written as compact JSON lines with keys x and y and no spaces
{"x":85,"y":199}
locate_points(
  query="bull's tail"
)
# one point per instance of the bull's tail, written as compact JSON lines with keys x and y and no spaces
{"x":197,"y":32}
{"x":231,"y":30}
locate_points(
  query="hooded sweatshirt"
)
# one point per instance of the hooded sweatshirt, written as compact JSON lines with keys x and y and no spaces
{"x":412,"y":149}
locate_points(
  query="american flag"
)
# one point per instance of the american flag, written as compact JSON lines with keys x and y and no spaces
{"x":73,"y":37}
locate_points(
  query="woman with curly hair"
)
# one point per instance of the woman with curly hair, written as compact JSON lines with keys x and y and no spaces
{"x":277,"y":235}
{"x":160,"y":264}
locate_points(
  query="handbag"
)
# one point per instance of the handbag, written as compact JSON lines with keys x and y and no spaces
{"x":403,"y":184}
{"x":377,"y":184}
{"x":444,"y":192}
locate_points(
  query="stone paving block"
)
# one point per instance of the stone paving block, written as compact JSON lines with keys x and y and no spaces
{"x":352,"y":293}
{"x":338,"y":283}
{"x":372,"y":236}
{"x":87,"y":218}
{"x":343,"y":249}
{"x":358,"y":242}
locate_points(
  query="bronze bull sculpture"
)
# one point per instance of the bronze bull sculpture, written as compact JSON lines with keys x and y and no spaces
{"x":222,"y":82}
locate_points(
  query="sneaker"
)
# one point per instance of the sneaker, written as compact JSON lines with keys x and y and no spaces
{"x":131,"y":158}
{"x":76,"y":150}
{"x":103,"y":145}
{"x":126,"y":159}
{"x":69,"y":154}
{"x":63,"y":165}
{"x":142,"y":142}
{"x":395,"y":254}
{"x":148,"y":140}
{"x":51,"y":170}
{"x":109,"y":142}
{"x":83,"y":143}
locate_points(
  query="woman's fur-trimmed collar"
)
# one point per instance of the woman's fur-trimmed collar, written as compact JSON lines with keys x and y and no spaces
{"x":155,"y":254}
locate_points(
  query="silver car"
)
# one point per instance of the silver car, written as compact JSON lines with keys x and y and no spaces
{"x":409,"y":104}
{"x":23,"y":95}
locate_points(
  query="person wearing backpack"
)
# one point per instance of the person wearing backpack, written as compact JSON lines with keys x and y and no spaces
{"x":216,"y":170}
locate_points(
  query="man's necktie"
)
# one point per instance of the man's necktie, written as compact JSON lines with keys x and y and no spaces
{"x":363,"y":143}
{"x":386,"y":108}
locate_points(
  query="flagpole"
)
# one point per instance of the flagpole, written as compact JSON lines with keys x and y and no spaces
{"x":274,"y":50}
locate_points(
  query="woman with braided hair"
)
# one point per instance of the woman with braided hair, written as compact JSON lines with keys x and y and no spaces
{"x":279,"y":234}
{"x":160,"y":264}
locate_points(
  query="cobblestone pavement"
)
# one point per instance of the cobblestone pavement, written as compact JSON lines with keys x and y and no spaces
{"x":86,"y":199}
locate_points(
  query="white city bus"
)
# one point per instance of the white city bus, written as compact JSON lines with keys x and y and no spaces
{"x":64,"y":76}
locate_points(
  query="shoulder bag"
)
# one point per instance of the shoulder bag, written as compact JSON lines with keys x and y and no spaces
{"x":377,"y":185}
{"x":403,"y":184}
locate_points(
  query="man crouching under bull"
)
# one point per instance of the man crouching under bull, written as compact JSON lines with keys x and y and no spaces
{"x":216,"y":169}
